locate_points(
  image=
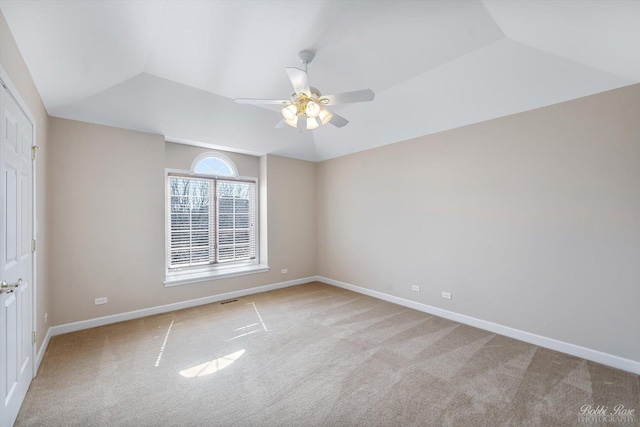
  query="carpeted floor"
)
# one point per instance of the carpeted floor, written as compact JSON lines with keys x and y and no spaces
{"x":313,"y":355}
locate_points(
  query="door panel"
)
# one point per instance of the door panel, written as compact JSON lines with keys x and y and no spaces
{"x":16,"y":257}
{"x":25,"y":217}
{"x":11,"y":222}
{"x":23,"y":295}
{"x":10,"y":369}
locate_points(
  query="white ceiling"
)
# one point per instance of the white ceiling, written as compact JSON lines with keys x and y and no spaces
{"x":174,"y":67}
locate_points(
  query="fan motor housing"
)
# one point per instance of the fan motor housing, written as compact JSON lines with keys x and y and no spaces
{"x":314,"y":92}
{"x":306,"y":56}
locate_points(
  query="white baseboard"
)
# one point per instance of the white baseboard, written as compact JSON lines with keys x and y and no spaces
{"x":550,"y":343}
{"x":43,"y":348}
{"x":106,"y":320}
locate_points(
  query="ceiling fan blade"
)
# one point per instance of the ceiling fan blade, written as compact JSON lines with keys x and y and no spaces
{"x":338,"y":121}
{"x":281,"y":124}
{"x":350,"y":97}
{"x":299,"y":80}
{"x":261,"y":101}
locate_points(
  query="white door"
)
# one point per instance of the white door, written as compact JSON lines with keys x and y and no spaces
{"x":16,"y":360}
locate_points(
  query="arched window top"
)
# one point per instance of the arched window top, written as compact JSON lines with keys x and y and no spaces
{"x":214,"y":164}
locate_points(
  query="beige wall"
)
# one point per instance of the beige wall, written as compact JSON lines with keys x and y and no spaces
{"x":291,"y":216}
{"x":532,"y":221}
{"x":108,"y":220}
{"x":15,"y":67}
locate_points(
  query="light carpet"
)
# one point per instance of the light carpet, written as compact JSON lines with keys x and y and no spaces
{"x":313,"y":355}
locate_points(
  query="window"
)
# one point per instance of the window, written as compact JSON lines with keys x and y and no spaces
{"x":212,"y":221}
{"x":211,"y":165}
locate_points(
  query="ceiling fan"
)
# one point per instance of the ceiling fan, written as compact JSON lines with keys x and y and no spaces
{"x":306,"y":108}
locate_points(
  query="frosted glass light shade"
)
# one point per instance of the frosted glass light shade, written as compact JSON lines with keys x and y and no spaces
{"x":312,"y":123}
{"x":312,"y":110}
{"x":289,"y":113}
{"x":293,"y":123}
{"x":325,"y":115}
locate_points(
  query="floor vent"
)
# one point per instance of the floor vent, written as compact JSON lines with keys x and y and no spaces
{"x":228,"y":301}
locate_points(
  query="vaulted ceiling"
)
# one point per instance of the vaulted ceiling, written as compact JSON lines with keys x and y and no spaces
{"x":174,"y":67}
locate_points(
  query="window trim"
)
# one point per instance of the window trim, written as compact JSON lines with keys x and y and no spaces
{"x":185,"y":275}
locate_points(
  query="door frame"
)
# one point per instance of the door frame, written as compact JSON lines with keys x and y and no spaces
{"x":13,"y":92}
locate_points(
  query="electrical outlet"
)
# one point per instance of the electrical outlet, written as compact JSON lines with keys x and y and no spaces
{"x":102,"y":300}
{"x":285,"y":271}
{"x":446,"y":295}
{"x":46,"y":317}
{"x":415,"y":288}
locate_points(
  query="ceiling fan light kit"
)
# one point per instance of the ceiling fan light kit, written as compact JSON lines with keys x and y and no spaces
{"x":309,"y":107}
{"x":306,"y":107}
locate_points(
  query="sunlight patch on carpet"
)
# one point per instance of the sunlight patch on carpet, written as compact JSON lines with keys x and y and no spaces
{"x":260,"y":317}
{"x":164,"y":344}
{"x":211,"y":367}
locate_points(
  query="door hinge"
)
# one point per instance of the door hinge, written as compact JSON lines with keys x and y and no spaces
{"x":33,"y":338}
{"x":34,"y":149}
{"x":33,"y":245}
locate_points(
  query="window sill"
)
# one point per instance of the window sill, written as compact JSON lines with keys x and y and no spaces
{"x":183,"y":278}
